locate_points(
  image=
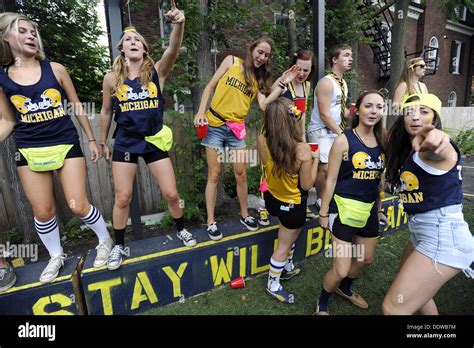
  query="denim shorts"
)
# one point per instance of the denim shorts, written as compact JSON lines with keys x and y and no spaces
{"x":325,"y":138}
{"x":222,"y":137}
{"x":443,"y":236}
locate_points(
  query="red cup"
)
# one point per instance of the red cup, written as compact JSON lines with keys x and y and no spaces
{"x":314,"y":147}
{"x":352,"y":110}
{"x":201,"y":131}
{"x":237,"y":283}
{"x":300,"y":104}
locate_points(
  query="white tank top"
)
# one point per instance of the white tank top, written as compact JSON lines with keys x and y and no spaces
{"x":334,"y":109}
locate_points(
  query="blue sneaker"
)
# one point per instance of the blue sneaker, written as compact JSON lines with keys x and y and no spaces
{"x":287,"y":275}
{"x":282,"y":295}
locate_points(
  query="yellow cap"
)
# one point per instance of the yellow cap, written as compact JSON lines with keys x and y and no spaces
{"x":429,"y":100}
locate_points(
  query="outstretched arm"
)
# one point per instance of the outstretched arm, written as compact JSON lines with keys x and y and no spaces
{"x":280,"y":86}
{"x":165,"y":64}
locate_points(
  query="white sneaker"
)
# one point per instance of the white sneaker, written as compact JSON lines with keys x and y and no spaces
{"x":115,"y":257}
{"x":103,"y":252}
{"x":51,"y":271}
{"x":186,"y":237}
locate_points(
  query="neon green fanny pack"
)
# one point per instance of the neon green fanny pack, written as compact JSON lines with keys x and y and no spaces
{"x":352,"y":212}
{"x":163,"y":139}
{"x":43,"y":159}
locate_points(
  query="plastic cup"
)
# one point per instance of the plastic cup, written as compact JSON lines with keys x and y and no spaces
{"x":201,"y":131}
{"x":314,"y":147}
{"x":300,"y":104}
{"x":237,"y":283}
{"x":352,"y":110}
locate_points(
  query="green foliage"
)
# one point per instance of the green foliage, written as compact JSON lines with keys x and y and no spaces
{"x":450,"y":7}
{"x":72,"y":230}
{"x":465,"y":141}
{"x":70,"y":33}
{"x":13,"y":236}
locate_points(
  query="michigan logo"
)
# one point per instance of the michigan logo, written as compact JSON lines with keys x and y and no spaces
{"x":409,"y":181}
{"x":49,"y":98}
{"x":126,"y":93}
{"x":361,"y":160}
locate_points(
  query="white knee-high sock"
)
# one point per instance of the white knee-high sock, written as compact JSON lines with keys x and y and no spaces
{"x":49,"y":234}
{"x":276,"y":267}
{"x":289,"y":266}
{"x":96,"y":222}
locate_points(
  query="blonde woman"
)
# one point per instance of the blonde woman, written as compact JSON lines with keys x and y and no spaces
{"x":134,"y":88}
{"x":410,"y":83}
{"x":32,"y":103}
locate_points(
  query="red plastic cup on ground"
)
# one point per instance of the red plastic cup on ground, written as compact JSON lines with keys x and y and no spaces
{"x":314,"y":147}
{"x":352,"y":110}
{"x":300,"y":104}
{"x":237,"y":283}
{"x":201,"y":131}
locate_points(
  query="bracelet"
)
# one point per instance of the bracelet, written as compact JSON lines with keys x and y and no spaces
{"x":323,"y":216}
{"x":380,"y":211}
{"x":90,"y":141}
{"x":281,"y":85}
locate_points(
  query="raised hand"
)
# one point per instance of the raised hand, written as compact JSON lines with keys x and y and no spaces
{"x":290,"y":74}
{"x":431,"y":139}
{"x":175,"y":15}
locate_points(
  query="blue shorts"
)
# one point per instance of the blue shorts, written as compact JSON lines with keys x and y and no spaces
{"x":222,"y":137}
{"x":443,"y":236}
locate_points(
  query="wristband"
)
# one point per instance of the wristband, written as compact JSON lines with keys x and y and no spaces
{"x":380,"y":211}
{"x":323,"y":216}
{"x":281,"y":85}
{"x":90,"y":141}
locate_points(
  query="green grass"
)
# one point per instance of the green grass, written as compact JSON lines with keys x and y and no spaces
{"x":454,"y":298}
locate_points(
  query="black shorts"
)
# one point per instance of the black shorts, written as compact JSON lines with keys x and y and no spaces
{"x":75,"y":151}
{"x":346,"y":233}
{"x":290,"y":216}
{"x":148,"y":157}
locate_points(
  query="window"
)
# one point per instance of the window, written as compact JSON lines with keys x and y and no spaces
{"x":433,"y":54}
{"x":184,"y":104}
{"x":461,"y":12}
{"x":452,"y":98}
{"x":385,"y":43}
{"x":457,"y":57}
{"x":281,"y":19}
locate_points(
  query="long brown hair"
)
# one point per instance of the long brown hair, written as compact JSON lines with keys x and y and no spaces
{"x":262,"y":74}
{"x":408,"y":73}
{"x":282,"y":136}
{"x":8,"y":22}
{"x":399,"y":147}
{"x":379,"y":131}
{"x":120,"y":70}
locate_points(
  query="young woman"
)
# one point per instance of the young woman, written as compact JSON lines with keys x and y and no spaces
{"x":351,"y":206}
{"x":297,"y":92}
{"x":425,"y":167}
{"x":235,"y":84}
{"x":135,"y":88}
{"x":33,"y":100}
{"x":290,"y":171}
{"x":410,"y":83}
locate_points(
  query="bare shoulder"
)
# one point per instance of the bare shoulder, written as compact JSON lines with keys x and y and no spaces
{"x":58,"y":68}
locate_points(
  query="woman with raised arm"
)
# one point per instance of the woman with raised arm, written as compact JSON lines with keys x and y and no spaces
{"x":236,"y":83}
{"x":134,"y":89}
{"x":33,"y":102}
{"x":425,"y":168}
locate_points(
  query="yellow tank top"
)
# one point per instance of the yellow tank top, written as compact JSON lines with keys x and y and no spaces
{"x":231,"y":99}
{"x":284,"y":188}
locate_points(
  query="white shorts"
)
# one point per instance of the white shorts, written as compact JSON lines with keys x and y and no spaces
{"x":325,"y":138}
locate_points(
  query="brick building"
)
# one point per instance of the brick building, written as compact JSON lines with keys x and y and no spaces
{"x":450,"y":59}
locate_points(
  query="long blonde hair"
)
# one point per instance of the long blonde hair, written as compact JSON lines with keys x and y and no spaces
{"x":8,"y":22}
{"x":262,"y":74}
{"x":120,"y":70}
{"x":408,"y":74}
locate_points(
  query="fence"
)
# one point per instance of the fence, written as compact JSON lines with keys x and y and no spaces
{"x":100,"y":187}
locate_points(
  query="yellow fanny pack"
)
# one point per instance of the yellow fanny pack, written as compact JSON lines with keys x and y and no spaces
{"x":43,"y":159}
{"x":352,"y":212}
{"x":163,"y":139}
